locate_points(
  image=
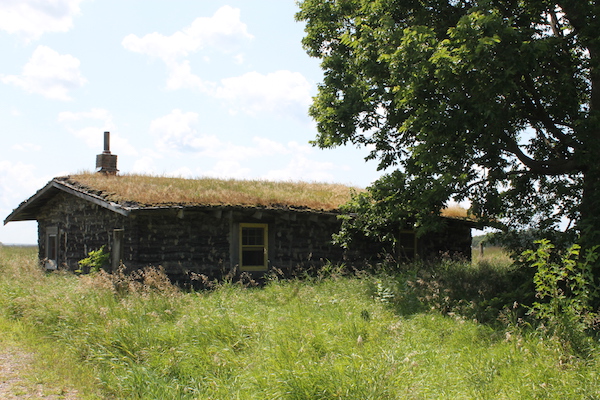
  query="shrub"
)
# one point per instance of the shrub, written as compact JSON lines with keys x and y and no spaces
{"x":96,"y":259}
{"x":565,"y":289}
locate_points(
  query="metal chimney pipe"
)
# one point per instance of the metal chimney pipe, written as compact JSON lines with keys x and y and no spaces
{"x":106,"y":143}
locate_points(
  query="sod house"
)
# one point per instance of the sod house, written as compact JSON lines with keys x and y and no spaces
{"x":206,"y":226}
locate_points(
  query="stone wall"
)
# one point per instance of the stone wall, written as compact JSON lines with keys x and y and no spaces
{"x":181,"y":241}
{"x":205,"y":240}
{"x":300,"y":240}
{"x":454,"y":241}
{"x":81,"y":227}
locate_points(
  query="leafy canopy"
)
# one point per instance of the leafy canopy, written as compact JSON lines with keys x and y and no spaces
{"x":495,"y":101}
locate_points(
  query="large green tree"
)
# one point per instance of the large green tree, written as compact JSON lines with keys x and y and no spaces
{"x":495,"y":101}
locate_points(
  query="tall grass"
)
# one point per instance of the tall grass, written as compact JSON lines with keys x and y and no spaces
{"x":492,"y":255}
{"x":367,"y":337}
{"x":22,"y":285}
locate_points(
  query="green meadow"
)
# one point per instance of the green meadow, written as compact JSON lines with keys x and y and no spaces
{"x":409,"y":332}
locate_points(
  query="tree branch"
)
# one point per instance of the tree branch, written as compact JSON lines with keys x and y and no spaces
{"x":554,"y":24}
{"x":537,"y":110}
{"x":547,"y":167}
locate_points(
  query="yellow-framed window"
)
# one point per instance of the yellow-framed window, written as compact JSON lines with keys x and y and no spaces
{"x":407,"y":245}
{"x":254,"y":247}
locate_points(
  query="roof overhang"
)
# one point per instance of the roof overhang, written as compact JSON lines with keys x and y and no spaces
{"x":29,"y":209}
{"x":465,"y":221}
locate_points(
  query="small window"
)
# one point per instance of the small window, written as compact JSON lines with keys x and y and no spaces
{"x":253,"y":247}
{"x":117,"y":249}
{"x":51,"y":248}
{"x":407,"y":245}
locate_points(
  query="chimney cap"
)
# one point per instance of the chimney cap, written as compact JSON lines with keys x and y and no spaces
{"x":106,"y":163}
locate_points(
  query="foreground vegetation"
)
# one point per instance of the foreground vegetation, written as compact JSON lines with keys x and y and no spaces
{"x":410,"y":334}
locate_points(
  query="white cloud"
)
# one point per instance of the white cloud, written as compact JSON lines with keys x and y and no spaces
{"x":11,"y":194}
{"x":227,"y":168}
{"x":232,"y":161}
{"x":95,"y":113}
{"x":144,"y":165}
{"x":282,"y":92}
{"x":176,"y":132}
{"x":223,"y":31}
{"x":182,"y":172}
{"x":181,"y":77}
{"x":268,"y":146}
{"x":239,"y":59}
{"x":301,"y":168}
{"x":32,"y":18}
{"x":48,"y":73}
{"x":90,"y":126}
{"x":298,"y":148}
{"x":27,"y":147}
{"x":18,"y":181}
{"x":277,"y":92}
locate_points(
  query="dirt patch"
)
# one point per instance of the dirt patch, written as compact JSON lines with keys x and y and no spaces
{"x":17,"y":381}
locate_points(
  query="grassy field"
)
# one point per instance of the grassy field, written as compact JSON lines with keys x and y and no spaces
{"x":414,"y":334}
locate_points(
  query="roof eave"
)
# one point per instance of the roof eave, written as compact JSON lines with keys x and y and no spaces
{"x":27,"y":210}
{"x":22,"y":209}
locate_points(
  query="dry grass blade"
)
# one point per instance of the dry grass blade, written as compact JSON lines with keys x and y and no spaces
{"x":456,"y":211}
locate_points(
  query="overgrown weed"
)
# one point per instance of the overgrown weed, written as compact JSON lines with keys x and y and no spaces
{"x":477,"y":291}
{"x":142,"y":281}
{"x":565,"y":290}
{"x":334,"y":335}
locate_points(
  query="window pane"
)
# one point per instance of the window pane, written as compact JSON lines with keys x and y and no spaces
{"x":253,"y":247}
{"x":51,"y":247}
{"x":253,"y":236}
{"x":253,"y":257}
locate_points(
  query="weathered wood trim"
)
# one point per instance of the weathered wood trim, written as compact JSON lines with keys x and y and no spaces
{"x":14,"y":215}
{"x":28,"y":209}
{"x":119,"y":209}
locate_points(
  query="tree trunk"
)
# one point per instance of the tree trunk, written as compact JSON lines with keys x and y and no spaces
{"x":589,"y":223}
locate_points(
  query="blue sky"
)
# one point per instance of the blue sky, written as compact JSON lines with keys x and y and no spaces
{"x":187,"y":88}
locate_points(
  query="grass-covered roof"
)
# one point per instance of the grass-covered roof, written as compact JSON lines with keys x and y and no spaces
{"x":148,"y":190}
